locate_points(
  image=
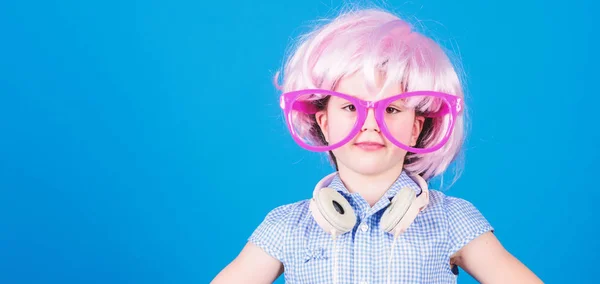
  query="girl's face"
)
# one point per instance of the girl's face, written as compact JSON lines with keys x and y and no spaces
{"x":369,"y":152}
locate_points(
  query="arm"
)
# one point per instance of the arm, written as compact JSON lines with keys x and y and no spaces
{"x":252,"y":265}
{"x":486,"y":260}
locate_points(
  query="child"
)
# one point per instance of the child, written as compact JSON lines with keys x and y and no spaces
{"x":386,"y":103}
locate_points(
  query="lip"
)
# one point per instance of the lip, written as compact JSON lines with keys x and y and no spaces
{"x":369,"y":146}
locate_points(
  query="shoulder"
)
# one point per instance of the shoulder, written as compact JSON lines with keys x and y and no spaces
{"x":271,"y":234}
{"x":288,"y":213}
{"x":462,"y":220}
{"x":453,"y":207}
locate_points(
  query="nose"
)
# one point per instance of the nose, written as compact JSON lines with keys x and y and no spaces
{"x":370,"y":122}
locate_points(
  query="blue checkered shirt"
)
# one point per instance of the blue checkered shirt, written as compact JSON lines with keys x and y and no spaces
{"x":421,"y":255}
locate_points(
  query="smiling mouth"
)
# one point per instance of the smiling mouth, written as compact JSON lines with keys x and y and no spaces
{"x":369,"y":146}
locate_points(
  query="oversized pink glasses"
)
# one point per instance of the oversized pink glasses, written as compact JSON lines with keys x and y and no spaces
{"x":300,"y":107}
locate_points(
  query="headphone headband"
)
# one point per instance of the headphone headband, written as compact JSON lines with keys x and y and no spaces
{"x":324,"y":182}
{"x":421,"y":182}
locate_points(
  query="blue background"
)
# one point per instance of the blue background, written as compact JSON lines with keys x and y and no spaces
{"x":141,"y":141}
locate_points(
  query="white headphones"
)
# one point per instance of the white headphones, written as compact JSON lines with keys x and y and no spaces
{"x":333,"y":212}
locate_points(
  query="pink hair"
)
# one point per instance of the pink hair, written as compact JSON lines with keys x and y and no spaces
{"x":371,"y":41}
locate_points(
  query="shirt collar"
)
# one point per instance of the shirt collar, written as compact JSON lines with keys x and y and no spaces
{"x":404,"y":180}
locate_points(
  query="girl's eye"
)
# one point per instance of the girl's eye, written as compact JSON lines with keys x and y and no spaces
{"x":350,"y":108}
{"x":391,"y":110}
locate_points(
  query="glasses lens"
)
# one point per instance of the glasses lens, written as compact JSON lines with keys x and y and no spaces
{"x":319,"y":120}
{"x":430,"y":113}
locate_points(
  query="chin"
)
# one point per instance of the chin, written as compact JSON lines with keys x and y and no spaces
{"x":368,"y":166}
{"x":368,"y":171}
{"x":368,"y":162}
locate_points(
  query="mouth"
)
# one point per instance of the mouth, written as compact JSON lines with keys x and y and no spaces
{"x":369,"y":146}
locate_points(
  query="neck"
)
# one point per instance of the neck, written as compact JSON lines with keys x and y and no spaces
{"x":370,"y":187}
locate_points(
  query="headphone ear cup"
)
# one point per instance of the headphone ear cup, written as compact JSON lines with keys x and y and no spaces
{"x":332,"y":211}
{"x":397,"y":209}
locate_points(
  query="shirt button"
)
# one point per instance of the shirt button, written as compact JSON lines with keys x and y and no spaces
{"x":364,"y":228}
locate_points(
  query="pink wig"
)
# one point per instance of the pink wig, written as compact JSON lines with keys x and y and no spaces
{"x":372,"y":41}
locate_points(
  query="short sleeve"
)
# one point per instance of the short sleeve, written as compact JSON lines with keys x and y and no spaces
{"x":270,"y":234}
{"x":465,"y":223}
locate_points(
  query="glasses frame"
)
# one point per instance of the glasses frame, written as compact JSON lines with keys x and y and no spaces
{"x":453,"y":105}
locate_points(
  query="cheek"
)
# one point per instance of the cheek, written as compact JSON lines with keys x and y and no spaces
{"x":339,"y":126}
{"x":401,"y":129}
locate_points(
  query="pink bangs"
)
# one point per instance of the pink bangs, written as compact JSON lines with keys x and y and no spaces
{"x":377,"y":42}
